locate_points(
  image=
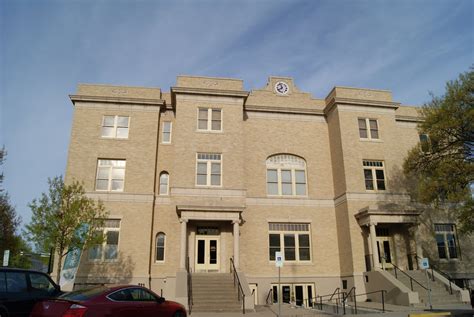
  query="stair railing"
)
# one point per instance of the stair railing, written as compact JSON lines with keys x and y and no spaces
{"x":320,"y":297}
{"x":240,"y":290}
{"x":396,"y":268}
{"x":270,"y":295}
{"x":446,"y":275}
{"x":344,"y":299}
{"x":190,"y":286}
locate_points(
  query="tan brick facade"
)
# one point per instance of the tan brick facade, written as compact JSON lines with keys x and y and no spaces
{"x":255,"y":126}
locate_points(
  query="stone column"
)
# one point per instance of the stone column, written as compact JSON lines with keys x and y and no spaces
{"x":236,"y":243}
{"x":184,"y":232}
{"x":373,"y":243}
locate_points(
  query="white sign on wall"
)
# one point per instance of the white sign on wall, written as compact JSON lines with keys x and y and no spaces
{"x":279,"y":259}
{"x":424,"y":264}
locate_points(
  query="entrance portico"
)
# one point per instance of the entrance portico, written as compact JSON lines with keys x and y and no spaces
{"x":205,"y":233}
{"x":384,"y":222}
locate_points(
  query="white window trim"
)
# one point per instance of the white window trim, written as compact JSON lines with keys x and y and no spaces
{"x":208,"y":176}
{"x":115,"y":127}
{"x":102,"y":255}
{"x":374,"y":175}
{"x":109,"y":184}
{"x":156,"y":248}
{"x":167,"y":184}
{"x":369,"y":133}
{"x":209,"y":120}
{"x":454,"y":232}
{"x":297,"y":247}
{"x":163,"y":132}
{"x":290,"y":162}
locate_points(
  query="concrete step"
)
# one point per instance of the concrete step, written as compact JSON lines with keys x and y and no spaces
{"x":214,"y":292}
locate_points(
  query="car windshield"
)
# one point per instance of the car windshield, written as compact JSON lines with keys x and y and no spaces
{"x":83,"y":294}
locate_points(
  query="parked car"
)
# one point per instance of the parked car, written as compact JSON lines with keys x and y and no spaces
{"x":21,"y":289}
{"x":116,"y":301}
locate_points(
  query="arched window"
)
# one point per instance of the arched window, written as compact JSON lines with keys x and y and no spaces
{"x":164,"y":182}
{"x":286,"y":175}
{"x":160,"y":246}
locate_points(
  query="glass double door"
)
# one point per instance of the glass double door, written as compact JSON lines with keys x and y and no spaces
{"x":300,"y":294}
{"x":207,"y":253}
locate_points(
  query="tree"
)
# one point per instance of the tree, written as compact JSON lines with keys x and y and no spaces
{"x":9,"y":222}
{"x":65,"y":219}
{"x":443,"y":162}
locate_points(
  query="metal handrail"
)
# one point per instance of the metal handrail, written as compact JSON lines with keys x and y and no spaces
{"x":411,"y":278}
{"x":190,"y":286}
{"x":355,"y":304}
{"x":344,"y":299}
{"x":383,"y":297}
{"x":446,"y":275}
{"x":270,"y":292}
{"x":239,"y":289}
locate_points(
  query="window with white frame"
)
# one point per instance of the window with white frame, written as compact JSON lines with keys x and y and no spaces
{"x":209,"y":119}
{"x":374,"y":175}
{"x":286,"y":175}
{"x":209,"y":169}
{"x":108,"y":250}
{"x":446,"y":241}
{"x":115,"y":127}
{"x":164,"y":183}
{"x":166,"y":132}
{"x":110,"y":175}
{"x":160,"y":247}
{"x":291,"y":238}
{"x":368,"y":128}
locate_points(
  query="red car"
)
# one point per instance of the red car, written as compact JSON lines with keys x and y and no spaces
{"x":115,"y":301}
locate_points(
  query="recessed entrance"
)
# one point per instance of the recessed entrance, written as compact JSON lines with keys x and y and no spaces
{"x":385,"y":252}
{"x":207,"y":253}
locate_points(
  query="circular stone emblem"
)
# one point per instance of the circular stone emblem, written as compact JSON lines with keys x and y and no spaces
{"x":282,"y":88}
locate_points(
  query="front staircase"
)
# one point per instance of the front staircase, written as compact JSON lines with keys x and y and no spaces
{"x":214,"y":292}
{"x":440,"y":294}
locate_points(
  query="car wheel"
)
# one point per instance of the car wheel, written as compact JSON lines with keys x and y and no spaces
{"x":179,"y":314}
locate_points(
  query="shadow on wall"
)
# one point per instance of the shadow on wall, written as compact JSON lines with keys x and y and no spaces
{"x":119,"y":271}
{"x":399,"y":183}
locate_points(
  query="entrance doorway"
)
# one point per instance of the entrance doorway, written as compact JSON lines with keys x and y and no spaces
{"x":207,"y":253}
{"x":300,"y":294}
{"x":385,"y":252}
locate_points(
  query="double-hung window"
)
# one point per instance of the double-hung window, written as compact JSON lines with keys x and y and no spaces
{"x":115,"y":127}
{"x":286,"y":175}
{"x":374,"y":175}
{"x":368,"y":128}
{"x":108,"y":250}
{"x":166,"y":132}
{"x":110,"y":175}
{"x":209,"y":119}
{"x":293,"y":239}
{"x":209,"y":169}
{"x":445,"y":235}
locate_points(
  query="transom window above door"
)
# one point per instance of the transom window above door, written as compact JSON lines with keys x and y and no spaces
{"x":209,"y":119}
{"x":286,"y":175}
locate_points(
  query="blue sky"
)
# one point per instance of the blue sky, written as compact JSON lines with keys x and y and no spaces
{"x":48,"y":47}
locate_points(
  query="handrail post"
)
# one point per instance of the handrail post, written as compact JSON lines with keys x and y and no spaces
{"x":396,"y":276}
{"x":355,"y":301}
{"x":321,"y":302}
{"x":383,"y":301}
{"x":411,"y":283}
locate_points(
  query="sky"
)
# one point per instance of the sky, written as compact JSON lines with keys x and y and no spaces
{"x":47,"y":47}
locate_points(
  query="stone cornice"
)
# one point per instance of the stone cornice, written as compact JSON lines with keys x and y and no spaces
{"x":359,"y":102}
{"x":207,"y":91}
{"x":122,"y":100}
{"x":408,"y":118}
{"x":307,"y":111}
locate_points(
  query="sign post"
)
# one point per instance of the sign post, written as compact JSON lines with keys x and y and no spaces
{"x":425,"y":265}
{"x":279,"y":264}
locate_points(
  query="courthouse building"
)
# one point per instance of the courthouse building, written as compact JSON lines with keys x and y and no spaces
{"x":209,"y":172}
